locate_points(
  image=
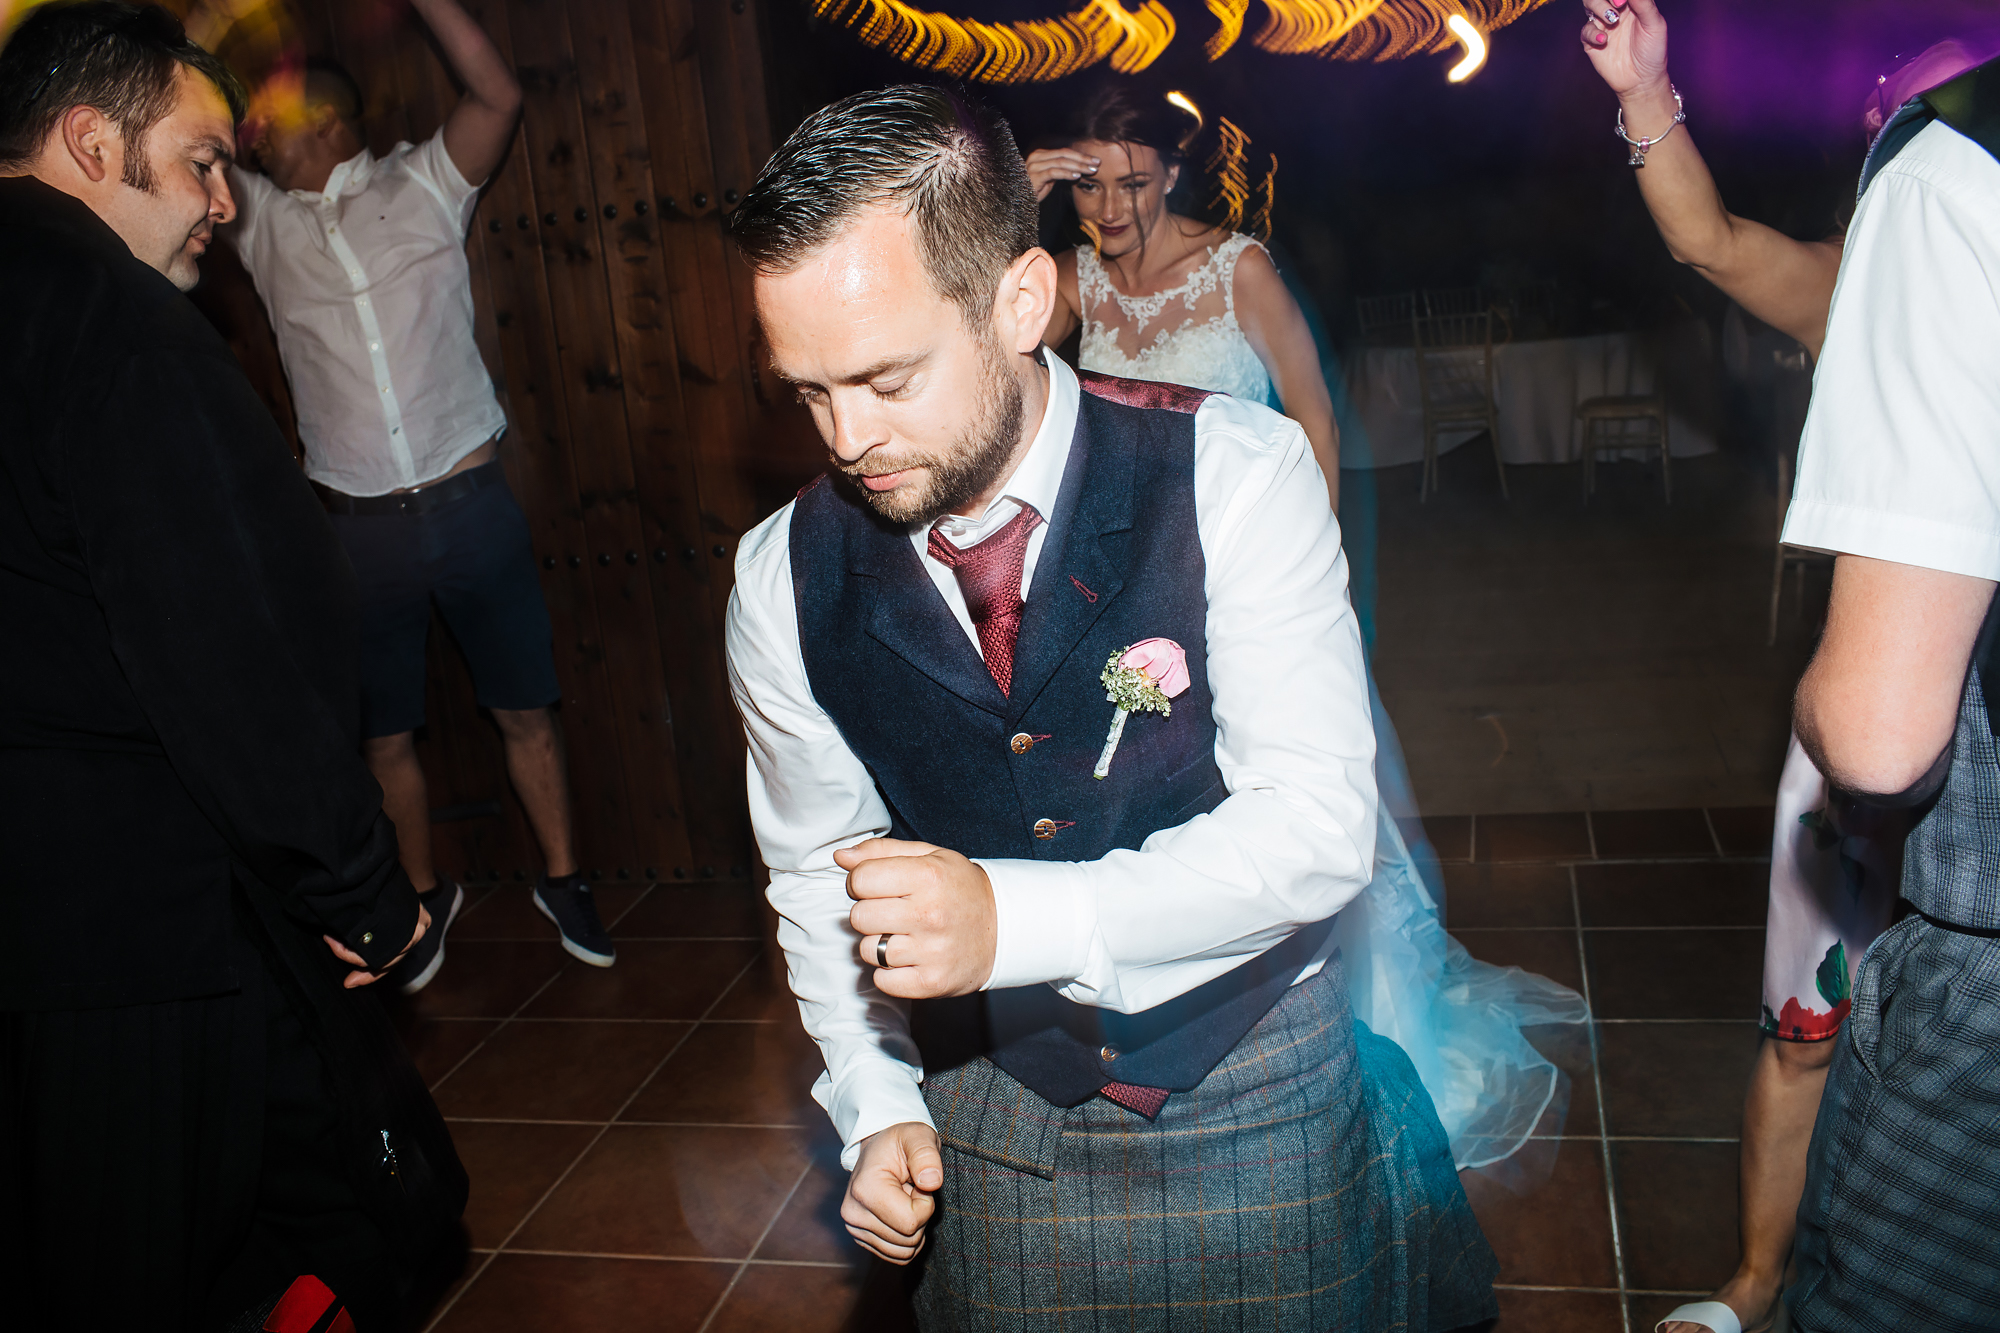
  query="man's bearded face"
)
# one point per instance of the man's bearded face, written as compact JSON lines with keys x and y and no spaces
{"x":921,"y":411}
{"x":945,"y":480}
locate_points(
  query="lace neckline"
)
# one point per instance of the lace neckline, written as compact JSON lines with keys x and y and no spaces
{"x":1143,"y":310}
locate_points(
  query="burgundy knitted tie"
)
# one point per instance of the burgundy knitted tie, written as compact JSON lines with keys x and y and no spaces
{"x":989,"y":574}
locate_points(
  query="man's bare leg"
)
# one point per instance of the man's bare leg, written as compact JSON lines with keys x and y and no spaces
{"x":537,"y":765}
{"x":406,"y":800}
{"x":1778,"y":1117}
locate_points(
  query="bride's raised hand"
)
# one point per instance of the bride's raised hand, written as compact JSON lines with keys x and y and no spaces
{"x":1050,"y":167}
{"x":1626,"y":41}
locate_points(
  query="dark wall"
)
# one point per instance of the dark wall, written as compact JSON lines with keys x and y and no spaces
{"x":642,"y":441}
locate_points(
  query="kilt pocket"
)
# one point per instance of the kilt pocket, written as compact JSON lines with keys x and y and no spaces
{"x":983,"y":1112}
{"x":1930,"y":1025}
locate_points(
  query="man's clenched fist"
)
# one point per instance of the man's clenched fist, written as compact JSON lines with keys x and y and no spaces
{"x":889,"y":1201}
{"x":927,"y":911}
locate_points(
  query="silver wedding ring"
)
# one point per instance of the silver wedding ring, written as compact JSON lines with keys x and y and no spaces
{"x":881,"y":951}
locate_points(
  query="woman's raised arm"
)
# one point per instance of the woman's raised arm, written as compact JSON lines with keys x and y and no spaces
{"x":1786,"y":283}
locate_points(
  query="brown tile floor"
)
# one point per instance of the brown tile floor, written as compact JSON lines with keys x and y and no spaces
{"x":645,"y":1154}
{"x":1540,"y":653}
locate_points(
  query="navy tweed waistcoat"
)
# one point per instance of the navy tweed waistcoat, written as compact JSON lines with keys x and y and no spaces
{"x":963,"y":766}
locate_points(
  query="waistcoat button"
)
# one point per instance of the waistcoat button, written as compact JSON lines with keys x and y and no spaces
{"x":1108,"y":1054}
{"x":1045,"y":828}
{"x":1022,"y":742}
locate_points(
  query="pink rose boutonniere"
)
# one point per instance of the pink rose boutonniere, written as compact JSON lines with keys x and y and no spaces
{"x":1142,"y":678}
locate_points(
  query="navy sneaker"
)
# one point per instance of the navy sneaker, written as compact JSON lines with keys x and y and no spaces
{"x":420,"y":965}
{"x":567,"y":901}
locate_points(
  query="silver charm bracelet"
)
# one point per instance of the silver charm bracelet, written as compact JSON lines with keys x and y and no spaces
{"x":1640,"y":147}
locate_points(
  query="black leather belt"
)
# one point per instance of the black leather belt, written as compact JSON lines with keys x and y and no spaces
{"x":420,"y":501}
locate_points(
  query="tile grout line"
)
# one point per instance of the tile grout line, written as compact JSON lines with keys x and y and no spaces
{"x":1603,"y":1118}
{"x":1601,"y":929}
{"x":1472,"y":838}
{"x":480,"y":1045}
{"x":487,"y":1262}
{"x":673,"y":1258}
{"x":602,"y":1130}
{"x":563,"y":1018}
{"x":649,"y":1124}
{"x":444,"y":1310}
{"x":1590,"y":828}
{"x":762,"y":1236}
{"x":1713,"y":836}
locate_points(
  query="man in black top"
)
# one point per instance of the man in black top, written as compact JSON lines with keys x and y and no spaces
{"x":197,"y":1108}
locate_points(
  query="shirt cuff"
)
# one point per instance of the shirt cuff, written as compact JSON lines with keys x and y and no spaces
{"x":884,"y":1094}
{"x":1903,"y":539}
{"x":1044,"y":921}
{"x":384,"y":932}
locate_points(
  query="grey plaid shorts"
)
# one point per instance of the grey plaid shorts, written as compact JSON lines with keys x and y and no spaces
{"x":1900,"y":1224}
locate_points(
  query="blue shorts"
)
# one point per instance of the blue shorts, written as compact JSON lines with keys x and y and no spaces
{"x":473,"y":557}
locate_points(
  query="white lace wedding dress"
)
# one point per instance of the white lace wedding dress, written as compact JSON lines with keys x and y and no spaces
{"x":1460,"y":1020}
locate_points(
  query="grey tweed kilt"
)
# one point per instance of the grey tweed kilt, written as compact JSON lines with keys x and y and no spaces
{"x":1304,"y":1185}
{"x":1900,"y":1224}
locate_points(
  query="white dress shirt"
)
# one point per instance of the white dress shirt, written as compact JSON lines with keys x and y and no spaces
{"x":1900,"y":459}
{"x":1291,"y":844}
{"x":370,"y":297}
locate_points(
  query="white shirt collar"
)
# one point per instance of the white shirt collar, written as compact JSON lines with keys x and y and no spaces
{"x":1038,"y":479}
{"x":349,"y":177}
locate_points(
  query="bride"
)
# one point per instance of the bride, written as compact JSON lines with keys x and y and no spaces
{"x":1163,"y":296}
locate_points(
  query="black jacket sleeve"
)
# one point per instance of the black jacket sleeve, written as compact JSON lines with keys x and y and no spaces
{"x":232,"y":612}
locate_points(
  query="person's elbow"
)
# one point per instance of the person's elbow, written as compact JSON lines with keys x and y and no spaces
{"x":1872,"y":747}
{"x":505,"y":96}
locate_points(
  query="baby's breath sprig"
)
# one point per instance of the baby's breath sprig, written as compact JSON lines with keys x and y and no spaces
{"x":1134,"y":692}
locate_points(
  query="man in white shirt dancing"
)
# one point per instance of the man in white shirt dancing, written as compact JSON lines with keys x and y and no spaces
{"x":1108,"y":965}
{"x":361,"y":264}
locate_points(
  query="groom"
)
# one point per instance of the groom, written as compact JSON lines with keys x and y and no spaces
{"x":1084,"y":1027}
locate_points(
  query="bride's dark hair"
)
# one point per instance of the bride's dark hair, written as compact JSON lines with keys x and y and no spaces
{"x":1121,"y":112}
{"x":1213,"y":188}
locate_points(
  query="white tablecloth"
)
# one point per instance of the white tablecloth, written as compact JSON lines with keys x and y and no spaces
{"x":1538,"y":386}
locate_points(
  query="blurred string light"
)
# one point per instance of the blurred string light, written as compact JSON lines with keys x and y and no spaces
{"x":1373,"y":30}
{"x":1236,"y":205}
{"x":1475,"y":49}
{"x":1032,"y":51}
{"x":1036,"y":50}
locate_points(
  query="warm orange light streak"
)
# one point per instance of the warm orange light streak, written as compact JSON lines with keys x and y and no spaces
{"x":1388,"y":30}
{"x":1033,"y":51}
{"x":1305,"y":27}
{"x":1475,"y":49}
{"x":1228,"y":168}
{"x":1229,"y":13}
{"x":1186,"y":103}
{"x":1036,"y":50}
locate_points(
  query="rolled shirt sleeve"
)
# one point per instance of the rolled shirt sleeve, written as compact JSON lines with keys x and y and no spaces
{"x":1900,"y":459}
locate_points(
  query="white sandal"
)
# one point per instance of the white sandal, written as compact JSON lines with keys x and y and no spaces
{"x":1709,"y":1314}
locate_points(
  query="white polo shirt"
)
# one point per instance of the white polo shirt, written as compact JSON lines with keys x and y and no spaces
{"x":1900,"y":459}
{"x":370,"y":296}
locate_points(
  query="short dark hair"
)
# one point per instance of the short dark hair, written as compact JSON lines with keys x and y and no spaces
{"x":944,"y":160}
{"x":120,"y":58}
{"x":327,"y":83}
